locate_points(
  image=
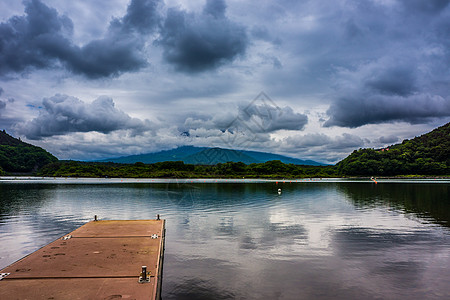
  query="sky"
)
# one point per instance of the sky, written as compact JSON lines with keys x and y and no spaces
{"x":311,"y":79}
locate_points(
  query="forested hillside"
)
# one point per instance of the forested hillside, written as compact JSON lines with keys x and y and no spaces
{"x":428,"y":154}
{"x":19,"y":157}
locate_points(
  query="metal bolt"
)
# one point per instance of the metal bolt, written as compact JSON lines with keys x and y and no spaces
{"x":144,"y":273}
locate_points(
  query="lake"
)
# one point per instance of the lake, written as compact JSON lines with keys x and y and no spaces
{"x":241,"y":239}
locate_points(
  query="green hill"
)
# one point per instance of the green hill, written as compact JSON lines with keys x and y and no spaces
{"x":428,"y":154}
{"x":19,"y":157}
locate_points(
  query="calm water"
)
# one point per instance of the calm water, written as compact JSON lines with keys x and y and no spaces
{"x":331,"y":239}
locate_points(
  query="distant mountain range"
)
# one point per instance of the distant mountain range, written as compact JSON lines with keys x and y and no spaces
{"x":209,"y":156}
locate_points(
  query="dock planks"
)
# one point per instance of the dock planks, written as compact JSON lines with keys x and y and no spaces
{"x":99,"y":260}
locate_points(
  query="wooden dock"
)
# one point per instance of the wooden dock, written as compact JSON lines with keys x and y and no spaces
{"x":99,"y":260}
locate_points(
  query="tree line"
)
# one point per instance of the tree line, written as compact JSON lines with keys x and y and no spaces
{"x":178,"y":169}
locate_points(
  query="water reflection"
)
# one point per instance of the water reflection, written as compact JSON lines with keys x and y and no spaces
{"x":17,"y":199}
{"x":310,"y":243}
{"x":427,"y":201}
{"x":321,"y":240}
{"x":355,"y":242}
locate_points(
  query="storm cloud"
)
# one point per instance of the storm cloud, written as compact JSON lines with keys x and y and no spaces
{"x":42,"y":39}
{"x":390,"y":89}
{"x":195,"y":42}
{"x":403,"y":78}
{"x":375,"y":109}
{"x":62,"y":114}
{"x":343,"y":74}
{"x":142,"y":16}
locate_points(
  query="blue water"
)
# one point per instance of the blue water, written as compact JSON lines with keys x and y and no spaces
{"x":240,"y":239}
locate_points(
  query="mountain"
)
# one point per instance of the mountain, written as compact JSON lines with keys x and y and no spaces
{"x":19,"y":157}
{"x":209,"y":156}
{"x":176,"y":154}
{"x":428,"y":154}
{"x":213,"y":156}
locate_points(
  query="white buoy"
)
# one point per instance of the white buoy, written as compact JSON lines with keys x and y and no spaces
{"x":279,"y":191}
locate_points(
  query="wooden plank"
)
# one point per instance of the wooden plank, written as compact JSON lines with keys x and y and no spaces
{"x":77,"y":288}
{"x":101,"y":259}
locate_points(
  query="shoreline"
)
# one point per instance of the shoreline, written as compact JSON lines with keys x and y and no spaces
{"x":101,"y":180}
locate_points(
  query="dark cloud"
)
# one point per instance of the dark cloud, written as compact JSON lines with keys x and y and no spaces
{"x":200,"y":42}
{"x":370,"y":49}
{"x":42,"y":39}
{"x":406,"y":81}
{"x":390,"y":89}
{"x":62,"y":114}
{"x":375,"y":109}
{"x":390,"y":139}
{"x":142,"y":16}
{"x":107,"y":57}
{"x":369,"y":62}
{"x":393,"y":81}
{"x":21,"y":37}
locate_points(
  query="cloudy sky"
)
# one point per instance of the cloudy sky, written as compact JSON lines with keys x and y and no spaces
{"x":312,"y":79}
